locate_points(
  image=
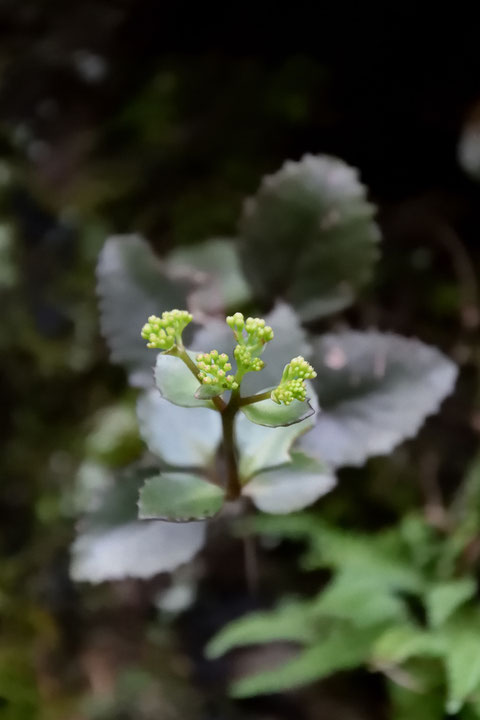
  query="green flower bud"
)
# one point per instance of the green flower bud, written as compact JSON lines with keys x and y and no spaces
{"x":165,"y":332}
{"x":292,"y":385}
{"x":213,"y":369}
{"x":252,"y":335}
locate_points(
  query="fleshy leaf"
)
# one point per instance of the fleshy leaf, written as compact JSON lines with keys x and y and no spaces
{"x":206,"y":392}
{"x":132,"y":285}
{"x":177,"y":383}
{"x":263,"y":447}
{"x":270,"y":414}
{"x":375,"y":390}
{"x":404,"y":641}
{"x":308,"y":235}
{"x":112,"y":544}
{"x":179,"y":497}
{"x":290,"y":487}
{"x":182,"y":437}
{"x":444,"y":598}
{"x":223,"y":283}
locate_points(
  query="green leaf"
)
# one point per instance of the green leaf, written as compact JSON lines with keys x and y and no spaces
{"x":402,"y":642}
{"x":177,"y":383}
{"x":375,"y":390}
{"x":180,"y":497}
{"x":112,"y":544}
{"x":443,"y":599}
{"x":308,"y":235}
{"x":182,"y":437}
{"x":268,"y":413}
{"x":290,"y":487}
{"x":415,"y":705}
{"x":289,"y":622}
{"x":344,"y":648}
{"x":263,"y":447}
{"x":462,"y":659}
{"x":352,"y":596}
{"x":216,"y":262}
{"x":290,"y":340}
{"x":133,"y":284}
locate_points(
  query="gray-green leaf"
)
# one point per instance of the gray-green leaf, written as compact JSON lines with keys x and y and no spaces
{"x":177,"y":383}
{"x":182,"y":437}
{"x":179,"y":497}
{"x":133,"y":284}
{"x":375,"y":390}
{"x":223,"y":283}
{"x":268,"y":413}
{"x":112,"y":544}
{"x":264,"y":447}
{"x":308,"y":235}
{"x":290,"y":487}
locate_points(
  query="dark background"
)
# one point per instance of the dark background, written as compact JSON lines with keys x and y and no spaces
{"x":160,"y":118}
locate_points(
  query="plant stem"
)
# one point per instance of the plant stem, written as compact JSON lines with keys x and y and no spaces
{"x":233,"y":487}
{"x":183,"y":355}
{"x":250,"y":399}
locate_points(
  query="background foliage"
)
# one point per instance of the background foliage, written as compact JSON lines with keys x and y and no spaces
{"x":115,"y":120}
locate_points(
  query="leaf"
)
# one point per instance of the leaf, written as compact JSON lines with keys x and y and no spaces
{"x":289,"y":622}
{"x":353,"y":597}
{"x":375,"y":390}
{"x":290,"y":487}
{"x":182,"y":437}
{"x":179,"y":497}
{"x":415,"y":705}
{"x":135,"y":549}
{"x":444,"y":598}
{"x":177,"y":383}
{"x":205,"y":392}
{"x":133,"y":284}
{"x":462,"y":659}
{"x":268,"y":413}
{"x":402,"y":642}
{"x":290,"y":340}
{"x":262,"y":447}
{"x":308,"y":236}
{"x":344,"y":648}
{"x":112,"y":544}
{"x":223,"y":283}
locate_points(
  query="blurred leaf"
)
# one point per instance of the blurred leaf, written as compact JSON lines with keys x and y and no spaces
{"x":177,"y":383}
{"x":444,"y":598}
{"x":179,"y":497}
{"x":290,"y":487}
{"x":112,"y":544}
{"x":268,"y":413}
{"x":289,"y":622}
{"x":401,"y":642}
{"x":352,"y":596}
{"x":263,"y":447}
{"x":114,"y":438}
{"x":462,"y":659}
{"x":343,"y":648}
{"x":375,"y":390}
{"x":137,"y":549}
{"x":415,"y":705}
{"x":132,"y":285}
{"x":182,"y":437}
{"x":224,"y":286}
{"x":308,"y":235}
{"x":469,"y":149}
